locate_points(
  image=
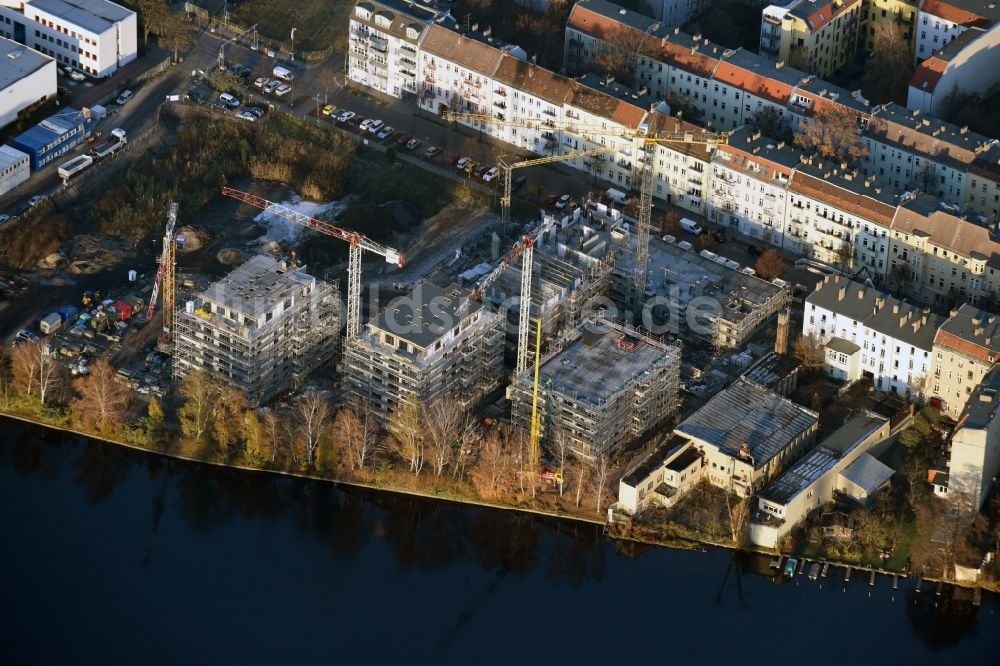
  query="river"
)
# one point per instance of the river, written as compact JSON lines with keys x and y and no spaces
{"x":109,"y":556}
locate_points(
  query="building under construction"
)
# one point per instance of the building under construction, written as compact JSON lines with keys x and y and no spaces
{"x":264,"y":328}
{"x":601,"y":386}
{"x":564,"y":284}
{"x":429,"y":343}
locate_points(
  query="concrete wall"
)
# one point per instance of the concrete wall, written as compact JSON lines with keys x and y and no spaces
{"x":974,"y":69}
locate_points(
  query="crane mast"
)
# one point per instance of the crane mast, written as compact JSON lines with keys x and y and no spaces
{"x":356,"y":241}
{"x":165,"y":275}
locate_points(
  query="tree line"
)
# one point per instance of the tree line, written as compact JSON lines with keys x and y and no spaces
{"x":435,"y":446}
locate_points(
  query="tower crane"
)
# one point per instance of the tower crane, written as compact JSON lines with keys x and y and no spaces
{"x":357,"y":242}
{"x":165,"y":276}
{"x":645,"y":136}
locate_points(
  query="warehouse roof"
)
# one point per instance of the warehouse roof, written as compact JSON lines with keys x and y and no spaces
{"x":868,"y":472}
{"x":801,"y":475}
{"x":745,"y":412}
{"x":97,"y":16}
{"x":18,"y":61}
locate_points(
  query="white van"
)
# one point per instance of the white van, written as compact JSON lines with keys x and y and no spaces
{"x":124,"y":97}
{"x":691,"y":225}
{"x":282,"y":73}
{"x":617,"y":196}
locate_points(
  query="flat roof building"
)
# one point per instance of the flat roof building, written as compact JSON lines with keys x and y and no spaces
{"x":53,"y":137}
{"x":94,"y":36}
{"x":974,"y":461}
{"x":840,"y":463}
{"x":27,"y":77}
{"x":263,"y":328}
{"x":431,"y":343}
{"x":604,"y":384}
{"x":748,"y":435}
{"x":15,"y":168}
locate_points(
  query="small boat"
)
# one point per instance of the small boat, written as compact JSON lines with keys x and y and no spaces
{"x":814,"y":571}
{"x":790,"y":566}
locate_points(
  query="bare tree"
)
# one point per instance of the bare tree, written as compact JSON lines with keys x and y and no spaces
{"x":492,"y":472}
{"x":103,"y":397}
{"x":312,"y":411}
{"x":444,"y":421}
{"x":408,"y":435}
{"x":580,"y":480}
{"x":831,"y":133}
{"x":200,"y":392}
{"x":810,"y":352}
{"x":357,"y":434}
{"x":275,"y":431}
{"x":620,"y":53}
{"x":24,"y":366}
{"x":469,"y":443}
{"x":560,"y":450}
{"x":601,"y":469}
{"x":888,"y":74}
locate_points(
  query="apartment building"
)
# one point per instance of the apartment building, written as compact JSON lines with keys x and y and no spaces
{"x":974,"y":458}
{"x":749,"y":186}
{"x":891,"y":340}
{"x":843,"y":463}
{"x":433,"y":342}
{"x":969,"y":63}
{"x":966,"y":348}
{"x":96,"y":37}
{"x":600,"y":387}
{"x":27,"y":77}
{"x":748,"y":435}
{"x":816,"y":36}
{"x":940,"y":22}
{"x":901,"y":12}
{"x":383,"y":40}
{"x":263,"y":328}
{"x":945,"y":259}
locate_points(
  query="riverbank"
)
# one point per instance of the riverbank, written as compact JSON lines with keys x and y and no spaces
{"x":667,"y":541}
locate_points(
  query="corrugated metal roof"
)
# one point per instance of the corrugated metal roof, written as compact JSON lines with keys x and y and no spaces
{"x":49,"y":129}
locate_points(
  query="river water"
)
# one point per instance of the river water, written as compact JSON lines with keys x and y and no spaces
{"x":108,"y":556}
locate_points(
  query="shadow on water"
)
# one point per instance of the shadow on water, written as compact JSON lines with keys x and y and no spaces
{"x":423,"y":536}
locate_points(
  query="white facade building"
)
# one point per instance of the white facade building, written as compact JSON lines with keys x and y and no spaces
{"x":975,"y":446}
{"x":383,"y":42}
{"x":94,"y":36}
{"x":27,"y":77}
{"x":15,"y":168}
{"x":896,"y":338}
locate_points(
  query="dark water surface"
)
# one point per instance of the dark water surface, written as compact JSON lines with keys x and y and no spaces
{"x":114,"y":557}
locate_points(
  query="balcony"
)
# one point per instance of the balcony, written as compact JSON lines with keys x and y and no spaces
{"x":472,"y":83}
{"x":430,"y":66}
{"x":500,"y":104}
{"x":379,"y":44}
{"x":428,"y":78}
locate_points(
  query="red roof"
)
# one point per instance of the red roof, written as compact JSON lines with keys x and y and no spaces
{"x":954,"y":14}
{"x":755,"y":84}
{"x":590,"y":22}
{"x":928,"y":74}
{"x":688,"y":58}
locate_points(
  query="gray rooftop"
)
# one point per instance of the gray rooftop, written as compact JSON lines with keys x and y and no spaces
{"x":780,"y":152}
{"x":745,"y":412}
{"x":625,"y":16}
{"x":934,"y":130}
{"x":801,"y":475}
{"x":983,"y":403}
{"x":655,"y":459}
{"x":18,"y":61}
{"x":855,"y":430}
{"x":96,"y":16}
{"x":843,"y":346}
{"x":604,"y":360}
{"x":401,"y":14}
{"x":850,"y":179}
{"x":868,"y":472}
{"x":617,"y":90}
{"x":426,"y":314}
{"x":876,"y":310}
{"x":10,"y":155}
{"x":974,"y":325}
{"x":760,"y":65}
{"x":770,"y":370}
{"x":257,"y":287}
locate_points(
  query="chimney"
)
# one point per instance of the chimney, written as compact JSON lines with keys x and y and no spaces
{"x":781,"y":144}
{"x":923,"y":319}
{"x":861,"y":294}
{"x":475,"y":27}
{"x":979,"y":331}
{"x":779,"y":64}
{"x":895,"y":308}
{"x":696,"y":37}
{"x":964,"y":129}
{"x":841,"y":293}
{"x":677,"y":30}
{"x":781,"y":338}
{"x":487,"y":31}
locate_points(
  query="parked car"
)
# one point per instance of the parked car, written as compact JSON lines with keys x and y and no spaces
{"x":4,"y":218}
{"x":271,"y":86}
{"x":479,"y":171}
{"x":412,"y":144}
{"x":35,"y":200}
{"x":74,"y":74}
{"x":255,"y":110}
{"x":282,"y":89}
{"x":491,"y":173}
{"x":431,"y":152}
{"x":229,"y":100}
{"x":246,"y":115}
{"x":403,"y":140}
{"x":366,"y":124}
{"x":386,"y":132}
{"x":261,"y":81}
{"x":345,"y":116}
{"x":376,"y":126}
{"x":518,"y":184}
{"x":563,"y":200}
{"x":453,"y":159}
{"x":124,"y":98}
{"x":329,"y":109}
{"x":462,"y":163}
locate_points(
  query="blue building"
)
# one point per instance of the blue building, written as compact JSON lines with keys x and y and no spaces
{"x":54,"y":137}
